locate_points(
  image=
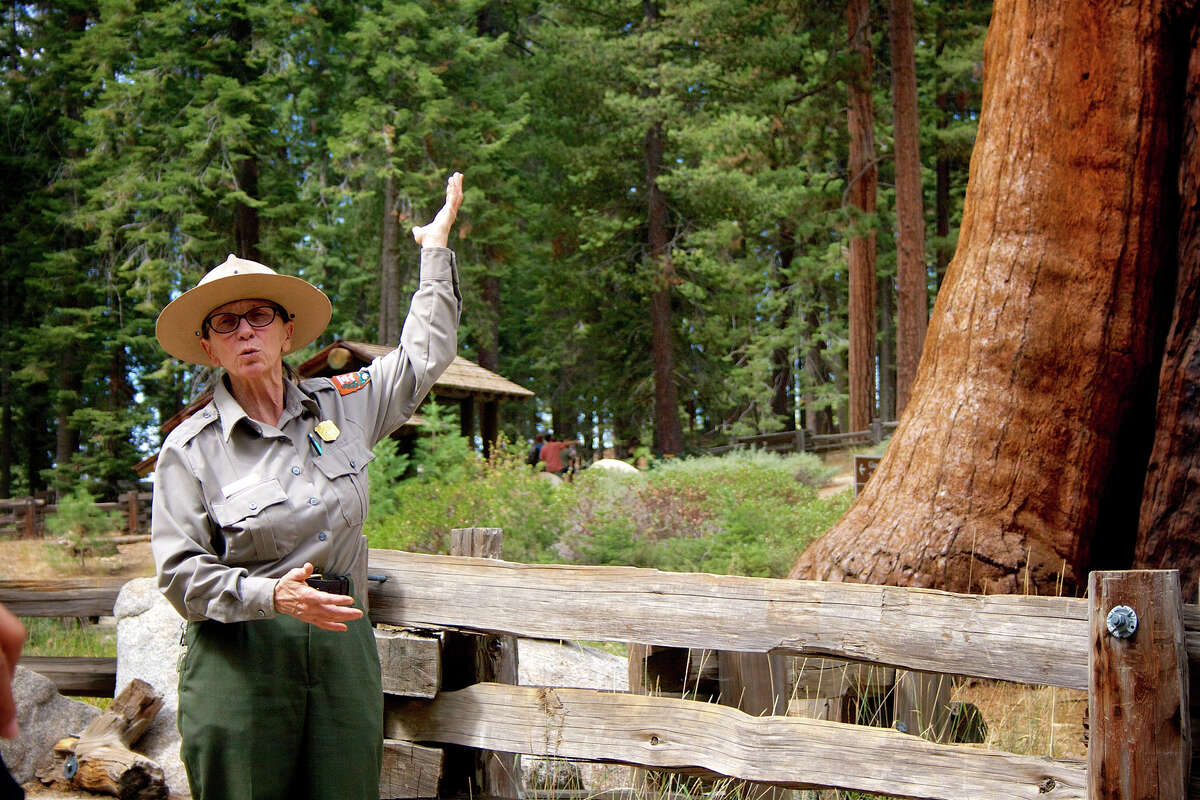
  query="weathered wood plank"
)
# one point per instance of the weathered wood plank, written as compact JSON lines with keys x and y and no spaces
{"x":409,"y":770}
{"x":589,"y":725}
{"x":471,"y":659}
{"x":77,"y":676}
{"x":1038,"y":640}
{"x":83,"y":597}
{"x":411,"y":662}
{"x":1138,"y":717}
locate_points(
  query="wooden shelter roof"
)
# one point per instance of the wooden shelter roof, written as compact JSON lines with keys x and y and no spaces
{"x":463,"y":378}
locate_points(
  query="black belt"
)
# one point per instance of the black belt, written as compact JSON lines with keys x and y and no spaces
{"x":333,"y":584}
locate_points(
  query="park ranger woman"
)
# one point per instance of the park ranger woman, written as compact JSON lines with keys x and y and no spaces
{"x":259,"y":501}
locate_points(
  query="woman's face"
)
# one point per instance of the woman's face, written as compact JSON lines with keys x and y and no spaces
{"x":248,"y":353}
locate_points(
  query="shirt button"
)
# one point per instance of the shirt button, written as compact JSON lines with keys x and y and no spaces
{"x":352,"y":463}
{"x":254,"y":506}
{"x":262,"y":613}
{"x":295,"y":470}
{"x":322,"y":536}
{"x":312,"y":501}
{"x":207,"y":415}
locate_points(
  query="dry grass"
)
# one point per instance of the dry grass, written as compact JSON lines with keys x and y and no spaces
{"x":46,"y":559}
{"x":1030,"y":720}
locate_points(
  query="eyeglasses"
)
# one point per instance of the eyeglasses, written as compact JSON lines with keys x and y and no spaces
{"x":258,"y":317}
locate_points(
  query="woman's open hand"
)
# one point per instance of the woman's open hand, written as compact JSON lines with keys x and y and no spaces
{"x":437,"y":233}
{"x":296,"y":598}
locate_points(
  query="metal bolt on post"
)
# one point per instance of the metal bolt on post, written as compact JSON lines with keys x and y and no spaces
{"x":1122,"y":621}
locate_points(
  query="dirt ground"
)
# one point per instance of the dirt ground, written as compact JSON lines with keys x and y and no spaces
{"x":47,"y":559}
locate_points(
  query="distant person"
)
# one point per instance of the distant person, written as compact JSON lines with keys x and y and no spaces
{"x":552,"y":455}
{"x":12,"y":638}
{"x":535,"y":452}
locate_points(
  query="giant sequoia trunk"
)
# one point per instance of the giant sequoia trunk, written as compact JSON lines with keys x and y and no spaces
{"x":1020,"y":455}
{"x":1169,"y":532}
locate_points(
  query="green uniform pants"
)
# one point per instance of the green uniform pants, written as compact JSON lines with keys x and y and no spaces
{"x":281,"y":709}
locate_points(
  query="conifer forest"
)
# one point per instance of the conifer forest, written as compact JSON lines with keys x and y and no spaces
{"x":685,"y":219}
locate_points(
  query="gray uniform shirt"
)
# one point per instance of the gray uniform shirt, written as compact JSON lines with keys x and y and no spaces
{"x":238,"y":503}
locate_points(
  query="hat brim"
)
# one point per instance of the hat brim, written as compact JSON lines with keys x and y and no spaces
{"x":179,"y":325}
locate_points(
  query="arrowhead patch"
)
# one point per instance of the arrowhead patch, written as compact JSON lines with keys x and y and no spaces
{"x":351,"y":382}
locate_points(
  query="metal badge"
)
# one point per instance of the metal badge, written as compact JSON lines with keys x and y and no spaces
{"x":327,"y":430}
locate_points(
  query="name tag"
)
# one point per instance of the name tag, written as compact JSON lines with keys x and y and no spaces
{"x":242,"y":483}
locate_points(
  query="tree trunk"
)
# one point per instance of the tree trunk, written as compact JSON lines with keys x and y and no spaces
{"x":245,"y":217}
{"x":389,"y":265}
{"x":783,"y":403}
{"x":1019,"y":450}
{"x":912,"y":302}
{"x":1169,"y":530}
{"x":887,"y":351}
{"x":668,"y":429}
{"x":66,"y":442}
{"x":6,"y":431}
{"x":861,"y":194}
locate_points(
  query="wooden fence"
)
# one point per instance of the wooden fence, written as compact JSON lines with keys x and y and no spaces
{"x":804,"y":441}
{"x":1138,"y":684}
{"x":26,"y":516}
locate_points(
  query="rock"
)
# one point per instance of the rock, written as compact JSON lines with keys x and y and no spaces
{"x":148,"y":633}
{"x":45,"y":716}
{"x":614,"y":465}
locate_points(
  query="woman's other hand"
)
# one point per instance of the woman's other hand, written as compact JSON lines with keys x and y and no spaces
{"x":296,"y":598}
{"x":437,"y":233}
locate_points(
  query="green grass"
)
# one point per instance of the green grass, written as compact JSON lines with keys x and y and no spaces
{"x":53,"y":636}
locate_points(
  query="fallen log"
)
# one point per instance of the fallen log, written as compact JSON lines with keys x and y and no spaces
{"x":101,"y":760}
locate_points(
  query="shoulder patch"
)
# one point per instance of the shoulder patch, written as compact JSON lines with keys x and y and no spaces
{"x":351,"y":382}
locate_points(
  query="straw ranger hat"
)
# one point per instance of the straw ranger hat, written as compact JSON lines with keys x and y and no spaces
{"x":179,"y":325}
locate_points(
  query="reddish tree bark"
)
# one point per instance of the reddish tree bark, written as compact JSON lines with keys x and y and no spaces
{"x":912,"y":301}
{"x":389,"y":262}
{"x":1006,"y":470}
{"x":861,"y":195}
{"x":1169,"y":530}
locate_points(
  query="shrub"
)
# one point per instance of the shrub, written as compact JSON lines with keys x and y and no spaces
{"x":747,"y":513}
{"x":81,"y":523}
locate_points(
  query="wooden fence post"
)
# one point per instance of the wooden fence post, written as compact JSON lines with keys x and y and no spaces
{"x":469,"y":659}
{"x":1139,"y":724}
{"x":131,"y":514}
{"x":31,"y":521}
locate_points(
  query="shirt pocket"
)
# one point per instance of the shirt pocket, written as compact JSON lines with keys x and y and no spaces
{"x":346,"y":469}
{"x":250,"y":520}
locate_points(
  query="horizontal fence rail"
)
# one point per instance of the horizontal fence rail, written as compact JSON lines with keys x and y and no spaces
{"x":26,"y":516}
{"x":805,"y":441}
{"x":666,"y":733}
{"x":1033,"y":640}
{"x":1038,"y":640}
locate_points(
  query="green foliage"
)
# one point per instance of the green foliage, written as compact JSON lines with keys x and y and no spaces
{"x":82,"y":523}
{"x":744,"y":513}
{"x":441,"y":455}
{"x":53,"y":636}
{"x":385,"y":471}
{"x":143,"y":143}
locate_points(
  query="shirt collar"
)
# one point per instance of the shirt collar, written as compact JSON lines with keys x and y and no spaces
{"x":230,"y":412}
